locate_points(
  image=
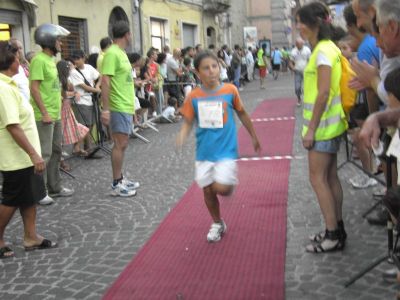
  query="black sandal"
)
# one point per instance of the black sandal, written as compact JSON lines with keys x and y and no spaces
{"x":330,"y":236}
{"x":45,"y":244}
{"x":318,"y":237}
{"x":6,"y":252}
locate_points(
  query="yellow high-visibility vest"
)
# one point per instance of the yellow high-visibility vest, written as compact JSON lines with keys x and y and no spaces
{"x":333,"y":120}
{"x":260,"y":59}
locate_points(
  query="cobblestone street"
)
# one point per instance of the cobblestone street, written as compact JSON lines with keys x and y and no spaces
{"x":98,"y":235}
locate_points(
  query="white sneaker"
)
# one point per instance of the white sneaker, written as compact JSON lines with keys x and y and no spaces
{"x":121,"y":190}
{"x":362,"y":182}
{"x":64,"y":192}
{"x":154,"y":114}
{"x":46,"y":200}
{"x":216,"y":232}
{"x":130,"y":185}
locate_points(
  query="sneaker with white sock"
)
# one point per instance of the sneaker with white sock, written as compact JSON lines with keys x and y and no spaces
{"x":121,"y":190}
{"x":216,"y":232}
{"x":46,"y":200}
{"x":362,"y":182}
{"x":130,"y":185}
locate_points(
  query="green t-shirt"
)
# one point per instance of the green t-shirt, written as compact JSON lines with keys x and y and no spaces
{"x":116,"y":65}
{"x":15,"y":110}
{"x":43,"y":68}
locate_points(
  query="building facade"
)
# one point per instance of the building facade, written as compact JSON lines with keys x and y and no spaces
{"x":175,"y":23}
{"x":88,"y":21}
{"x":153,"y":22}
{"x":273,"y":19}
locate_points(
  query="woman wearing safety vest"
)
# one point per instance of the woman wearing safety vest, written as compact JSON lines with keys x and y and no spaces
{"x":324,"y":122}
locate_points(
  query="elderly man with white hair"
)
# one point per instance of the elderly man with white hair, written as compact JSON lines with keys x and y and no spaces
{"x":388,"y":24}
{"x":298,"y":60}
{"x":368,"y":75}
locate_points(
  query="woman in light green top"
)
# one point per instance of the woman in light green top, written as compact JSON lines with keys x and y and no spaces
{"x":20,"y":161}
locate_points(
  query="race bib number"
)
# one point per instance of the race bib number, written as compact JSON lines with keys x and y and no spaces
{"x":210,"y":114}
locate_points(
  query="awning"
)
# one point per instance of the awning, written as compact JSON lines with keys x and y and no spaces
{"x":30,"y":8}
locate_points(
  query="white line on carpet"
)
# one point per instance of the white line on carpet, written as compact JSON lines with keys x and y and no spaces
{"x":276,"y":157}
{"x":273,"y":119}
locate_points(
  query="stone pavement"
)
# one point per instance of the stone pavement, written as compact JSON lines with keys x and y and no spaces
{"x":98,"y":235}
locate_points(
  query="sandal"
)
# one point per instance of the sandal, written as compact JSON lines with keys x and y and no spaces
{"x":81,"y":153}
{"x":6,"y":252}
{"x":45,"y":244}
{"x":329,"y":243}
{"x":318,"y":237}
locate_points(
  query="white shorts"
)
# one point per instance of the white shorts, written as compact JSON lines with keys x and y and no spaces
{"x":223,"y":172}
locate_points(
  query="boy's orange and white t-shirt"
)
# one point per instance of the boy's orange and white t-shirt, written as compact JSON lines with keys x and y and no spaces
{"x":213,"y":112}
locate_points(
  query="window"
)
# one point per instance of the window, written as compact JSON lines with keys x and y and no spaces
{"x":157,"y":33}
{"x":77,"y":39}
{"x":5,"y":32}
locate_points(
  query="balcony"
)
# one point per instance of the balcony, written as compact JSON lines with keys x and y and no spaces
{"x":216,"y":6}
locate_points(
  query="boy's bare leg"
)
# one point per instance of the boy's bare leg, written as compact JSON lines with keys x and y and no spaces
{"x":222,"y":189}
{"x":212,"y":203}
{"x":211,"y":198}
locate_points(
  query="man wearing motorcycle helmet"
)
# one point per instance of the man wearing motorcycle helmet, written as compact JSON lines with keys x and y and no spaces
{"x":46,"y":102}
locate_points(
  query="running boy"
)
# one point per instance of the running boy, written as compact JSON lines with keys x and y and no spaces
{"x":211,"y":106}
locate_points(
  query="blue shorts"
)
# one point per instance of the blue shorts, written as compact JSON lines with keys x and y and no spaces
{"x":328,"y":146}
{"x":120,"y":122}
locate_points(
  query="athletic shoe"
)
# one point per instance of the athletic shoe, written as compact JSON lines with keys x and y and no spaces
{"x":154,"y":114}
{"x":46,"y":200}
{"x":64,"y":192}
{"x":121,"y":190}
{"x":362,"y":182}
{"x":216,"y":232}
{"x":130,"y":185}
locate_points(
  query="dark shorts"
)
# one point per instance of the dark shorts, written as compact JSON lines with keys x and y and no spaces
{"x":22,"y":188}
{"x":328,"y":146}
{"x":360,"y":111}
{"x":83,"y":114}
{"x":144,"y":103}
{"x":276,"y":67}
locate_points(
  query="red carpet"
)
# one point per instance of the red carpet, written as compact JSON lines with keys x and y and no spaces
{"x":248,"y":263}
{"x":275,"y":136}
{"x":275,"y":108}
